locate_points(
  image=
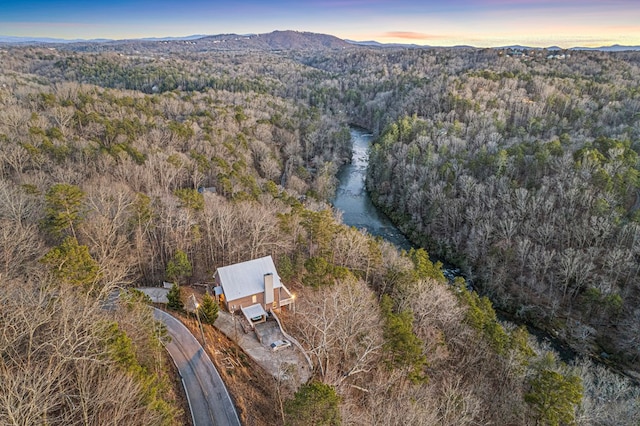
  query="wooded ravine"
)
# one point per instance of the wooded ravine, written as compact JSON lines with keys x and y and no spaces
{"x":522,"y":170}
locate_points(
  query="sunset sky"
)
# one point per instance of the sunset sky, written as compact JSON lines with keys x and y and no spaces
{"x":565,"y":23}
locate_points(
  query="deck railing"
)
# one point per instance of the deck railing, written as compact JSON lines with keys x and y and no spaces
{"x":289,"y":300}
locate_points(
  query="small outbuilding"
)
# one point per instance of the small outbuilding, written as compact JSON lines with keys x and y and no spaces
{"x":156,"y":294}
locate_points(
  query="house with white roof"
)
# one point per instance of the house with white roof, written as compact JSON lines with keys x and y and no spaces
{"x":253,"y":287}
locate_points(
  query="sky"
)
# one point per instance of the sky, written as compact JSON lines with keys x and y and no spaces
{"x":481,"y":23}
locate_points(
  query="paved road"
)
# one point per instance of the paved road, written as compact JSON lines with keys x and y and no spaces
{"x":209,"y":400}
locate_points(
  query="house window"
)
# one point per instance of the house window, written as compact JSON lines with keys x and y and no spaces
{"x":254,"y":299}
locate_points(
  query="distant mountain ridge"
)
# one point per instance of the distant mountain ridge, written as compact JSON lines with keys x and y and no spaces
{"x":27,"y":40}
{"x":276,"y":40}
{"x":612,"y":48}
{"x":191,"y":37}
{"x":284,"y":40}
{"x":279,"y":40}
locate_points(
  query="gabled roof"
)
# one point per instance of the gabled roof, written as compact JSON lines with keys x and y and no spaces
{"x":247,"y":278}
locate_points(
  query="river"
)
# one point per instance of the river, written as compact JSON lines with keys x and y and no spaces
{"x":358,"y":211}
{"x":353,"y":200}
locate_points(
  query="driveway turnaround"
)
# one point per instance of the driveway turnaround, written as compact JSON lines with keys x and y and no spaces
{"x":208,"y":398}
{"x":286,"y":363}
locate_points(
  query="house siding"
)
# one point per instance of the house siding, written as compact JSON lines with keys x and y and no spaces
{"x":243,"y":302}
{"x":248,"y":301}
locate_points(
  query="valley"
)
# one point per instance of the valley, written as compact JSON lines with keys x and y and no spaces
{"x":520,"y":170}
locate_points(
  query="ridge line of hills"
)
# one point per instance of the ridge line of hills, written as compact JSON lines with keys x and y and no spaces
{"x":284,"y":40}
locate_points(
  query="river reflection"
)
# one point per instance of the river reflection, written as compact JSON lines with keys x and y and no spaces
{"x":353,"y":200}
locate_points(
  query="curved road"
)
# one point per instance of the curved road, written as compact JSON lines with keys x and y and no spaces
{"x":209,"y":400}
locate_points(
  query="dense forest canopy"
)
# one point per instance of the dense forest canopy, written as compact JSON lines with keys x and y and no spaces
{"x":530,"y":182}
{"x":522,"y":170}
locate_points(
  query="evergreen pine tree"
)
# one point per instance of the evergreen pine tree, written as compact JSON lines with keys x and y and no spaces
{"x":175,"y":299}
{"x":208,"y":310}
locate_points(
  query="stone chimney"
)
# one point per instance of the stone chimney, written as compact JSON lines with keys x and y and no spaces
{"x":268,"y":290}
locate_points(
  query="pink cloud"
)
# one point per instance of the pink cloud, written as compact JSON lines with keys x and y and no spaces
{"x":409,"y":35}
{"x":625,"y":28}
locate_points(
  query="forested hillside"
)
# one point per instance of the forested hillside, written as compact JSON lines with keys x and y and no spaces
{"x":103,"y":149}
{"x":527,"y":177}
{"x":99,"y":191}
